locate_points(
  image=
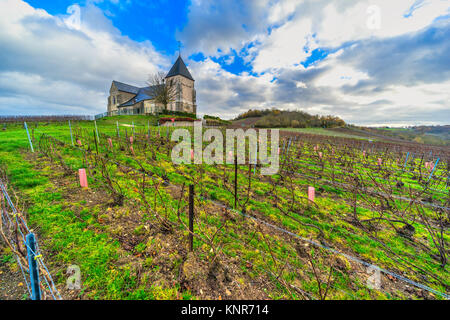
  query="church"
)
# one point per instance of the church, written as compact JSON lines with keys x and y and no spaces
{"x":126,"y":99}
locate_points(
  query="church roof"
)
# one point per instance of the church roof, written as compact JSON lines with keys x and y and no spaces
{"x":142,"y":94}
{"x":126,"y":87}
{"x":179,"y":68}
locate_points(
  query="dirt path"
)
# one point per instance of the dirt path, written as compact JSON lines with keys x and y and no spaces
{"x":12,"y":283}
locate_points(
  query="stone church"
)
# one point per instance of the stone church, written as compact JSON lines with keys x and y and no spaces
{"x":127,"y":99}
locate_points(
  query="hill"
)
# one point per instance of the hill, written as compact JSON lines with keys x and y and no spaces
{"x":274,"y":118}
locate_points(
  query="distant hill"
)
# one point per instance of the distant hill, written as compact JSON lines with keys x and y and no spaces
{"x":434,"y":135}
{"x":274,"y":118}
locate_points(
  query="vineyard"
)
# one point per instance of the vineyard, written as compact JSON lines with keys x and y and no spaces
{"x":342,"y":218}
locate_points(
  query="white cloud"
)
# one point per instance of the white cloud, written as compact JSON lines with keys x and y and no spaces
{"x":51,"y":61}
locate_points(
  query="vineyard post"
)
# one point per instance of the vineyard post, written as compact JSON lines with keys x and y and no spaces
{"x":191,"y":217}
{"x":71,"y":136}
{"x":96,"y":132}
{"x":256,"y":159}
{"x":406,"y":161}
{"x":235,"y":181}
{"x":29,"y":139}
{"x":434,"y":168}
{"x":95,"y":140}
{"x":33,"y":267}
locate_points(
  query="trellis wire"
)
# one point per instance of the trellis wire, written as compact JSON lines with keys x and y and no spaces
{"x":37,"y":253}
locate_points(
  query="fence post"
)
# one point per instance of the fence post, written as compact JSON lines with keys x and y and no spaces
{"x":28,"y":134}
{"x":191,"y":217}
{"x":118,"y":132}
{"x":33,"y":268}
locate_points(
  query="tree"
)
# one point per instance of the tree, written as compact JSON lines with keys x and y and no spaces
{"x":162,"y":92}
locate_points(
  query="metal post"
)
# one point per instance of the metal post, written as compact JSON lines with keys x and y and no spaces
{"x":235,"y":181}
{"x":434,"y":168}
{"x":28,"y":134}
{"x":191,"y":217}
{"x":32,"y":265}
{"x":96,"y":131}
{"x":406,"y":161}
{"x":71,"y":136}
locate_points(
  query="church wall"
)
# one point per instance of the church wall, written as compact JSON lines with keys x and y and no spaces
{"x":120,"y":97}
{"x":187,"y":101}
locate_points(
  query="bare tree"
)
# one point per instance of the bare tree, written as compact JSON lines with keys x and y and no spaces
{"x":162,"y":91}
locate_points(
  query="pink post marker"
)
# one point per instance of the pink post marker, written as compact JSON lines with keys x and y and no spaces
{"x":83,"y":178}
{"x":230,"y":156}
{"x":379,"y":161}
{"x":131,"y":139}
{"x":427,"y":165}
{"x":320,"y":155}
{"x":132,"y":150}
{"x":364,"y":153}
{"x":79,"y":142}
{"x":311,"y":193}
{"x":278,"y":151}
{"x":110,"y":143}
{"x":192,"y":154}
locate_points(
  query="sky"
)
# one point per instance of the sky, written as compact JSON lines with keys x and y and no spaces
{"x":378,"y":62}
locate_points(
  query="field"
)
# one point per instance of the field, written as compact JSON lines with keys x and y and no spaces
{"x":327,"y":132}
{"x":377,"y":228}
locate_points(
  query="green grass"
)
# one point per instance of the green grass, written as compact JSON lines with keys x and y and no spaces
{"x":74,"y":242}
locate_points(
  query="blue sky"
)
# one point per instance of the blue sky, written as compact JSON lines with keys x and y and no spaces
{"x":370,"y":62}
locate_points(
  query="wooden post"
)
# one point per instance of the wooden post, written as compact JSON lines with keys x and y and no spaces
{"x":191,"y":217}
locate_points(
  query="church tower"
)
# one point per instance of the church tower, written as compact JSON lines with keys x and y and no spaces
{"x":181,"y":78}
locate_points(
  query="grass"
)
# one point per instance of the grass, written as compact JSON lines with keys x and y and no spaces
{"x":72,"y":237}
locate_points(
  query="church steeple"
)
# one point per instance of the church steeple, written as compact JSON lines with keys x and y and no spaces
{"x":179,"y":68}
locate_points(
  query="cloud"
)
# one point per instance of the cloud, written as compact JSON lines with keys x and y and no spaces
{"x":388,"y":62}
{"x":215,"y":27}
{"x":46,"y":60}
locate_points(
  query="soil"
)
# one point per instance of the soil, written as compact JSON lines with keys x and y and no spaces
{"x":12,"y":283}
{"x":170,"y":261}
